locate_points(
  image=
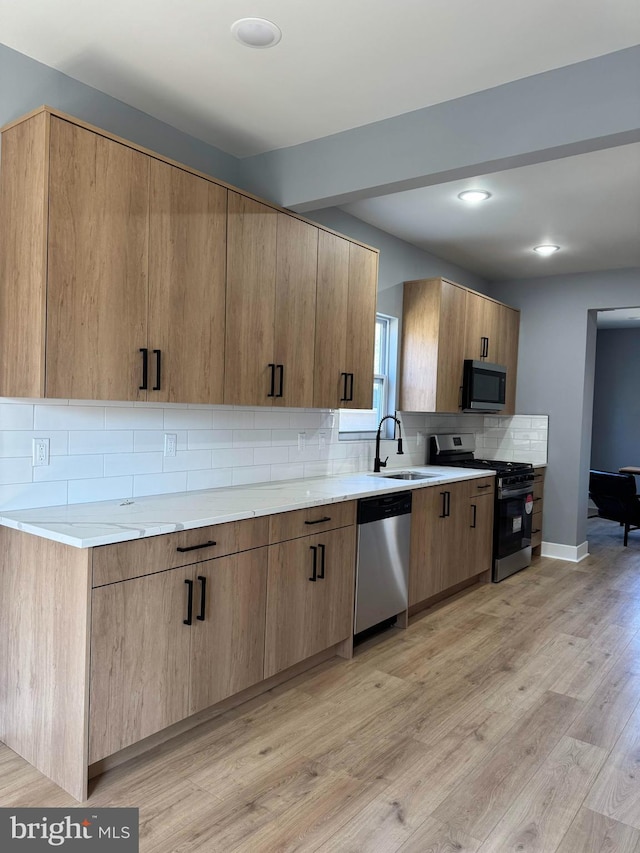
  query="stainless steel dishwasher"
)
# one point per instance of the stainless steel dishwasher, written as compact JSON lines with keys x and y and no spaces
{"x":382,"y":564}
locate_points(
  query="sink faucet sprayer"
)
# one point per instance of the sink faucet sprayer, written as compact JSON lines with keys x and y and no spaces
{"x":378,"y":463}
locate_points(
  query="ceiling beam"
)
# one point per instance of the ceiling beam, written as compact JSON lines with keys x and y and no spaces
{"x":584,"y":107}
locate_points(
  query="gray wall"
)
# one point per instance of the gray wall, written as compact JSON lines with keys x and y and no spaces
{"x":616,"y":400}
{"x":26,"y":85}
{"x":556,"y":364}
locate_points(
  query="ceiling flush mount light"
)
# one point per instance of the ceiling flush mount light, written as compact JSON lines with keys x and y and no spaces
{"x":256,"y":32}
{"x":473,"y":196}
{"x":546,"y":250}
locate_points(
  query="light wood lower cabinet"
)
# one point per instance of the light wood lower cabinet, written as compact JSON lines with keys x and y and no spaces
{"x":451,"y":536}
{"x":538,"y":501}
{"x":309,"y":597}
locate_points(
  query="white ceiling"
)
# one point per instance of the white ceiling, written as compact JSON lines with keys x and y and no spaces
{"x":345,"y":63}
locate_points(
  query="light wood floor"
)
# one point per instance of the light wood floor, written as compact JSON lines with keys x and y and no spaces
{"x":505,"y":720}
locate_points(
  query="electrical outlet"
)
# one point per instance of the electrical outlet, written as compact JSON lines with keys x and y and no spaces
{"x":40,"y":451}
{"x":302,"y":440}
{"x":322,"y":439}
{"x":170,"y":443}
{"x":419,"y":439}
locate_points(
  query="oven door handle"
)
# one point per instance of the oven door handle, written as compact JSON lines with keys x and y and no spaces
{"x":516,"y":493}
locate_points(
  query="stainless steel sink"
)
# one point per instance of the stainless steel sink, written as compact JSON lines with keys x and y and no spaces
{"x":407,"y":475}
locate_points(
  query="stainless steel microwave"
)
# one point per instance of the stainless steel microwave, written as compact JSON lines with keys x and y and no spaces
{"x":483,"y":386}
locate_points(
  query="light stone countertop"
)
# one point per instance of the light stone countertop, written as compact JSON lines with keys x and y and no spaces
{"x":105,"y":522}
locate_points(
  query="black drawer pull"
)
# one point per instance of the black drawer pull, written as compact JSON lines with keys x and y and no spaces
{"x":345,"y":398}
{"x":350,"y":398}
{"x":280,"y":368}
{"x":537,"y":499}
{"x":145,"y":368}
{"x":189,"y":619}
{"x":203,"y":597}
{"x":319,"y":520}
{"x":487,"y":486}
{"x":158,"y":355}
{"x":535,"y":531}
{"x":321,"y":575}
{"x":475,"y":514}
{"x":272,"y":388}
{"x":197,"y":547}
{"x":446,"y":504}
{"x":315,"y":563}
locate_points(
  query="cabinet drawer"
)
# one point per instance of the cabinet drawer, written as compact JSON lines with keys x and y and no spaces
{"x":538,"y":489}
{"x":302,"y":522}
{"x":124,"y":560}
{"x":482,"y":486}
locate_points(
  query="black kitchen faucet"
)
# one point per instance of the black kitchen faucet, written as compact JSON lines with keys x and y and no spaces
{"x":377,"y":462}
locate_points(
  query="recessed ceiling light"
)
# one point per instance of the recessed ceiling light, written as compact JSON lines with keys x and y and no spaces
{"x":473,"y":196}
{"x":256,"y":32}
{"x":546,"y":250}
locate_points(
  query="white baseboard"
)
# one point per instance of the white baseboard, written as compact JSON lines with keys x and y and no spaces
{"x":572,"y":553}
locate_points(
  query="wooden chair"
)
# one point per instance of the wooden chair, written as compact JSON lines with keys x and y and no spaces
{"x":616,"y":498}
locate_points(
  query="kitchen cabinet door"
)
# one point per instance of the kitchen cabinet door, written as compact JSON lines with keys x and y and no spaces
{"x":361,"y":322}
{"x":295,"y":311}
{"x":508,"y":336}
{"x":250,"y":296}
{"x":227,"y":648}
{"x":332,"y":300}
{"x":306,"y":616}
{"x":187,"y":266}
{"x":139,"y":659}
{"x":479,"y":538}
{"x":432,"y":346}
{"x":482,"y":334}
{"x":97,"y":266}
{"x":429,"y":531}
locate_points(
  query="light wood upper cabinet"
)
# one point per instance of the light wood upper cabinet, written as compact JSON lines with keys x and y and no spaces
{"x":361,"y":320}
{"x":345,"y":324}
{"x":187,"y":271}
{"x":126,"y":276}
{"x":433,"y":324}
{"x":295,"y":311}
{"x":444,"y":324}
{"x":251,"y":288}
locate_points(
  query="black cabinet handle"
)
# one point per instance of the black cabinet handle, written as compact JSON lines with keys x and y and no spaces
{"x":158,"y":355}
{"x":444,"y":505}
{"x":486,"y":486}
{"x":535,"y":531}
{"x":448,"y":504}
{"x":535,"y":500}
{"x":145,"y":368}
{"x":344,"y":398}
{"x":203,"y":597}
{"x":272,"y":388}
{"x":475,"y":514}
{"x":280,"y":367}
{"x":484,"y":351}
{"x":315,"y":563}
{"x":196,"y":547}
{"x":319,"y":520}
{"x":189,"y":619}
{"x":321,"y":575}
{"x":351,"y":387}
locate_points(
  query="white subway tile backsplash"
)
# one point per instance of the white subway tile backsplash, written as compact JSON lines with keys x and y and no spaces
{"x":187,"y":460}
{"x":70,"y":468}
{"x":133,"y":418}
{"x":32,"y":495}
{"x":16,"y":416}
{"x":15,"y":471}
{"x":157,"y":484}
{"x":209,"y":439}
{"x":187,"y":419}
{"x":20,"y":443}
{"x":60,"y":417}
{"x":100,"y":441}
{"x":121,"y":464}
{"x":213,"y":478}
{"x":116,"y":450}
{"x":104,"y":489}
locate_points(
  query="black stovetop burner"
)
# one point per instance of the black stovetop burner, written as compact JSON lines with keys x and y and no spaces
{"x":502,"y":467}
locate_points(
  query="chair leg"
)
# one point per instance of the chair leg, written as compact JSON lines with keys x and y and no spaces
{"x":626,"y":533}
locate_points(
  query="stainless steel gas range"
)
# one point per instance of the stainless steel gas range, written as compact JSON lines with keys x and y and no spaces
{"x":513,"y":503}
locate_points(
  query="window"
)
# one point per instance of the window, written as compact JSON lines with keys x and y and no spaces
{"x":360,"y":423}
